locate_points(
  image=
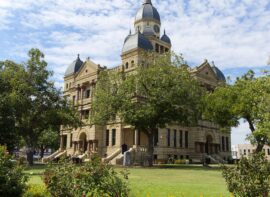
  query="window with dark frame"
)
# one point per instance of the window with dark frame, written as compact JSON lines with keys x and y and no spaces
{"x":223,"y":143}
{"x":169,"y":137}
{"x":113,"y":136}
{"x":174,"y":138}
{"x":71,"y":142}
{"x":181,"y":139}
{"x":227,"y":143}
{"x":107,"y":137}
{"x":186,"y":139}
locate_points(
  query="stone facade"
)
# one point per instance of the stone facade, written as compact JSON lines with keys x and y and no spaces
{"x":173,"y":141}
{"x":245,"y":150}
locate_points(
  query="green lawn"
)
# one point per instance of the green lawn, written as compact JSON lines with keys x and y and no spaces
{"x":180,"y":181}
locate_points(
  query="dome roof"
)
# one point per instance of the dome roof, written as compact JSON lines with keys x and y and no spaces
{"x":74,"y":67}
{"x":219,"y":74}
{"x":137,"y":40}
{"x":147,"y":11}
{"x":166,"y":38}
{"x":148,"y":31}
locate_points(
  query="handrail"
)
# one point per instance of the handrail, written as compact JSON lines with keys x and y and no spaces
{"x":45,"y":159}
{"x":112,"y":156}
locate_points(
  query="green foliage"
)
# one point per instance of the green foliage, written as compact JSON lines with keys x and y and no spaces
{"x":249,"y":178}
{"x":160,"y":91}
{"x":36,"y":191}
{"x":92,"y":179}
{"x":36,"y":105}
{"x":12,"y":179}
{"x":247,"y":99}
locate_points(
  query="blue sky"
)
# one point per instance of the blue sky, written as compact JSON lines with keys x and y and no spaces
{"x":233,"y":33}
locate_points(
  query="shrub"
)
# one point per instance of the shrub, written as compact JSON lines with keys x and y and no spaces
{"x":180,"y":161}
{"x":36,"y":191}
{"x":249,"y":178}
{"x":12,"y":179}
{"x":91,"y":179}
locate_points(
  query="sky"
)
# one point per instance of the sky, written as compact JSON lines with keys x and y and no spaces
{"x":235,"y":34}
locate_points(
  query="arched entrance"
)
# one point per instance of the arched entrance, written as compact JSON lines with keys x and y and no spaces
{"x":208,"y":144}
{"x":83,"y":142}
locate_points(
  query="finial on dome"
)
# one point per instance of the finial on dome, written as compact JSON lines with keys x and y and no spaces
{"x":78,"y":56}
{"x":213,"y":64}
{"x":164,"y":32}
{"x":147,"y":2}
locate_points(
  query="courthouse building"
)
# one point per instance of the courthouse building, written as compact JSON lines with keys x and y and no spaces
{"x":192,"y":143}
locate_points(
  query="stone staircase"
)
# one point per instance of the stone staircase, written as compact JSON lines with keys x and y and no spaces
{"x":53,"y":156}
{"x":111,"y":157}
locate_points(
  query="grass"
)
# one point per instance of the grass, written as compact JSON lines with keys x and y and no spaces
{"x":167,"y":181}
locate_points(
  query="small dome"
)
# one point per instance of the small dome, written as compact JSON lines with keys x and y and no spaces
{"x":136,"y":40}
{"x":74,"y":67}
{"x":147,"y":11}
{"x":166,"y":38}
{"x":218,"y":73}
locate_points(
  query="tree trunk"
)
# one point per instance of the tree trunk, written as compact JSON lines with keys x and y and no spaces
{"x":260,"y":142}
{"x":30,"y":156}
{"x":150,"y":136}
{"x":259,"y":147}
{"x":42,"y":149}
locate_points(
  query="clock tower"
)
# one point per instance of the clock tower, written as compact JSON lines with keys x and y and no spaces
{"x":146,"y":36}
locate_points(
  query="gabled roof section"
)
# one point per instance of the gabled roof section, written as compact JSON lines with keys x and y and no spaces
{"x":87,"y":68}
{"x":205,"y":71}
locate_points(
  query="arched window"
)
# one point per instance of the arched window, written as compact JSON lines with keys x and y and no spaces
{"x":132,"y":63}
{"x":127,"y":65}
{"x":67,"y":86}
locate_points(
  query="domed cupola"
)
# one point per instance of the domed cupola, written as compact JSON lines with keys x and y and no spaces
{"x":147,"y":11}
{"x":74,"y":66}
{"x":136,"y":41}
{"x":166,"y":38}
{"x":147,"y":20}
{"x":218,"y":73}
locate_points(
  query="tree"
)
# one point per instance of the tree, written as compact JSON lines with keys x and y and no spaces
{"x":12,"y":178}
{"x":249,"y":178}
{"x":160,"y":92}
{"x":37,"y":104}
{"x":48,"y":139}
{"x":248,"y":99}
{"x":8,"y":135}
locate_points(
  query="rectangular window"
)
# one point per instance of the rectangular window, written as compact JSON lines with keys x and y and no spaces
{"x":174,"y":139}
{"x":85,"y":114}
{"x":181,"y":139}
{"x":73,"y":100}
{"x":186,"y":139}
{"x":113,"y":136}
{"x":245,"y":152}
{"x":87,"y":94}
{"x":227,"y":144}
{"x":107,"y":137}
{"x":169,"y":137}
{"x":71,"y":140}
{"x":223,"y":143}
{"x":268,"y":151}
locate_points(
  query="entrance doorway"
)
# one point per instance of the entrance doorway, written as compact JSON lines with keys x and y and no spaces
{"x":83,"y":142}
